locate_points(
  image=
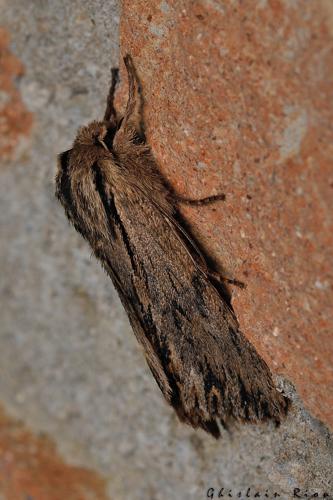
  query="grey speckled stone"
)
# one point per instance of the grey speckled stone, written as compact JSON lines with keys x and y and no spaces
{"x":69,"y":363}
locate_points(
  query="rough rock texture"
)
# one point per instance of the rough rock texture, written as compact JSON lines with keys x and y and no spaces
{"x":237,"y":101}
{"x":15,"y":119}
{"x":31,"y":468}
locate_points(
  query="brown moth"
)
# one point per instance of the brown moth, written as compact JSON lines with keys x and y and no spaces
{"x":114,"y":195}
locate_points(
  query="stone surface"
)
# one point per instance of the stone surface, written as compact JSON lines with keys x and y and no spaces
{"x":31,"y":468}
{"x":239,"y":100}
{"x":236,"y":101}
{"x":15,"y":119}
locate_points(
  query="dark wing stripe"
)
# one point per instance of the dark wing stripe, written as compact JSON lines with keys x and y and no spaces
{"x":63,"y":182}
{"x":147,"y":320}
{"x":65,"y":195}
{"x":109,"y":208}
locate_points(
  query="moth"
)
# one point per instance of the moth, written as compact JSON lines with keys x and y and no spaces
{"x":115,"y":196}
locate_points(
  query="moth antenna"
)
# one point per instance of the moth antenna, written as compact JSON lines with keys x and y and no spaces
{"x":110,"y":111}
{"x":131,"y":87}
{"x":134,"y":107}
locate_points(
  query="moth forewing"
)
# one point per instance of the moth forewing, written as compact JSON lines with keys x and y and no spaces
{"x":115,"y":196}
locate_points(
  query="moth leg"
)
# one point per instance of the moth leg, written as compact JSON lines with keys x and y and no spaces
{"x":224,"y":279}
{"x":110,"y":112}
{"x":203,"y":201}
{"x":133,"y":116}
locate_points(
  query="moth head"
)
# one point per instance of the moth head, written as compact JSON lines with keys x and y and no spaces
{"x":96,"y":134}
